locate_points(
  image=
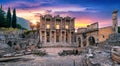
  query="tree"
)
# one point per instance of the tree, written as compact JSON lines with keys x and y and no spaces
{"x":38,"y":25}
{"x":8,"y":18}
{"x":1,"y":7}
{"x":119,"y":29}
{"x":14,"y":19}
{"x":32,"y":26}
{"x":20,"y":27}
{"x":2,"y":18}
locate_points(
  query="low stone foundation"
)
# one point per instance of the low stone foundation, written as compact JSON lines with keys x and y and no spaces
{"x":59,"y":45}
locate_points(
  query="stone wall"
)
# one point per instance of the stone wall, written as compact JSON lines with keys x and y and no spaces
{"x":104,"y":33}
{"x":114,"y":39}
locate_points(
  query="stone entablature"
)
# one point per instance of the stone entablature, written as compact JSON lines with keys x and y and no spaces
{"x":56,"y":22}
{"x":90,"y":28}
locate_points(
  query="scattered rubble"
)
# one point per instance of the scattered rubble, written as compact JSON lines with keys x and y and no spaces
{"x":116,"y":54}
{"x":104,"y":54}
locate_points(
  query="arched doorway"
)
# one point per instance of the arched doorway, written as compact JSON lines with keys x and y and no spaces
{"x":79,"y":42}
{"x":91,"y":40}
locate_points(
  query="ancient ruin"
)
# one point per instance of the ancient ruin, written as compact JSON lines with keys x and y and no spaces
{"x":115,"y":21}
{"x":60,"y":45}
{"x":57,"y":31}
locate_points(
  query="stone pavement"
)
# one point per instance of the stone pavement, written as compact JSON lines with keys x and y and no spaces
{"x":52,"y":59}
{"x":55,"y":51}
{"x":46,"y":61}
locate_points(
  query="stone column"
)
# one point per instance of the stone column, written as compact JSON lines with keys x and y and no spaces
{"x":70,"y":37}
{"x":82,"y":41}
{"x":64,"y":37}
{"x":41,"y":36}
{"x":51,"y":37}
{"x":55,"y":37}
{"x":78,"y":40}
{"x":45,"y":37}
{"x":61,"y":36}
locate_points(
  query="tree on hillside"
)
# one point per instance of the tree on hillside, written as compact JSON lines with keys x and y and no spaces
{"x":38,"y":25}
{"x":14,"y":19}
{"x":2,"y":18}
{"x":8,"y":20}
{"x":20,"y":27}
{"x":119,"y":29}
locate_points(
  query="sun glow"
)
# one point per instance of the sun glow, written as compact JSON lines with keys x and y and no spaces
{"x":82,"y":22}
{"x":34,"y":22}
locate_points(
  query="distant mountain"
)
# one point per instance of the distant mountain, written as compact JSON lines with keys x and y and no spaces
{"x":23,"y":22}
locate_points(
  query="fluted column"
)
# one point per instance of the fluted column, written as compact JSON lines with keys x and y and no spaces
{"x":55,"y":37}
{"x":50,"y":36}
{"x":61,"y":36}
{"x":64,"y":37}
{"x":70,"y":37}
{"x":82,"y":41}
{"x":40,"y":35}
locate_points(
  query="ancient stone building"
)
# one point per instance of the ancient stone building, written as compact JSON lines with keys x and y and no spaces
{"x":92,"y":34}
{"x":87,"y":36}
{"x":56,"y":31}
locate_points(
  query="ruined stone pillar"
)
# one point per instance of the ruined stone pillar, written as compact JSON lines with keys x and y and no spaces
{"x":115,"y":21}
{"x":65,"y":37}
{"x":70,"y":37}
{"x":51,"y":37}
{"x":82,"y":39}
{"x":40,"y":35}
{"x":60,"y":36}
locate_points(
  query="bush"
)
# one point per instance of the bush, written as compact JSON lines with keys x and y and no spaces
{"x":69,"y":52}
{"x":39,"y":52}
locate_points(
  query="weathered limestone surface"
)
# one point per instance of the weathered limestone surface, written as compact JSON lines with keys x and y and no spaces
{"x":114,"y":39}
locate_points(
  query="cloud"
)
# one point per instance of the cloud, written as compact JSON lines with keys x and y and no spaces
{"x":37,"y":14}
{"x":25,"y":4}
{"x":85,"y":11}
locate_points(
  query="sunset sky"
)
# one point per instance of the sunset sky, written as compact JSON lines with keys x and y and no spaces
{"x":85,"y":11}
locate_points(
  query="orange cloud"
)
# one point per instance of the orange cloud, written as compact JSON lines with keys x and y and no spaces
{"x":79,"y":22}
{"x":29,"y":14}
{"x":82,"y":22}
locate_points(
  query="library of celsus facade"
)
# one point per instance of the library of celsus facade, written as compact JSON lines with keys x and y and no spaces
{"x":57,"y":31}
